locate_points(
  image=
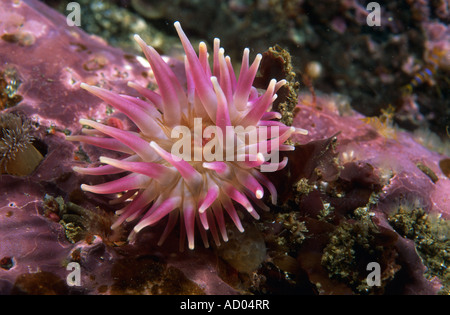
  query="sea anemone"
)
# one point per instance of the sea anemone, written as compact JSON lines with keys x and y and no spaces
{"x":199,"y":175}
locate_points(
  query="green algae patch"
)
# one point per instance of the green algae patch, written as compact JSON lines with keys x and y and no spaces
{"x":355,"y":244}
{"x":431,"y":235}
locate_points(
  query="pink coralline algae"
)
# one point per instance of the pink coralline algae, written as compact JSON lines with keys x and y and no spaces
{"x":398,"y":159}
{"x":354,"y":191}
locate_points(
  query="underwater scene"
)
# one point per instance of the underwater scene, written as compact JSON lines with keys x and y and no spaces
{"x":247,"y":148}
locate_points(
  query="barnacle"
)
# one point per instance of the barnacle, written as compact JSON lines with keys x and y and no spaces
{"x":18,"y":154}
{"x":9,"y":84}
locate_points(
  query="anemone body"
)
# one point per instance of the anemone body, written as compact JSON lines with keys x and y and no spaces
{"x":216,"y":175}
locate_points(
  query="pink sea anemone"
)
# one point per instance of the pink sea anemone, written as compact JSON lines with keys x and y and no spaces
{"x":213,"y":173}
